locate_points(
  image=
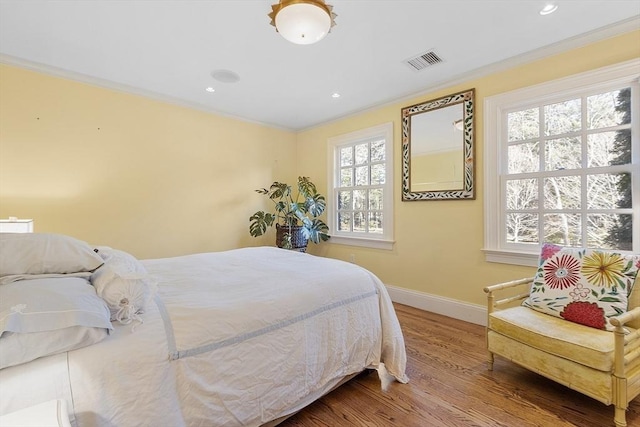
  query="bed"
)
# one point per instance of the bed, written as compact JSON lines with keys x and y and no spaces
{"x":236,"y":338}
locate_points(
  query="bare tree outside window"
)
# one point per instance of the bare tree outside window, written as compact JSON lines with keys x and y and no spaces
{"x":565,"y":183}
{"x":620,"y":234}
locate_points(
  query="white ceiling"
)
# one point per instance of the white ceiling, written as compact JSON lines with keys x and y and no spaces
{"x":168,"y":49}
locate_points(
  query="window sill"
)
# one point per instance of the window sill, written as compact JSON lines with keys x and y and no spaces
{"x":362,"y":242}
{"x":511,"y":257}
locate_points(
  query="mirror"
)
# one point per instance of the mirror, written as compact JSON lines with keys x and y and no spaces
{"x":438,"y":159}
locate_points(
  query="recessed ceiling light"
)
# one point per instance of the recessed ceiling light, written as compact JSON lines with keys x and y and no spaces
{"x":225,"y":76}
{"x":210,"y":89}
{"x":548,"y":8}
{"x":335,"y":95}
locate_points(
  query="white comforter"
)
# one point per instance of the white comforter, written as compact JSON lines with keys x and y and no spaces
{"x":234,"y":338}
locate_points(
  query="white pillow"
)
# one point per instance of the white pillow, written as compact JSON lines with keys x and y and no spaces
{"x":49,"y":304}
{"x":124,"y":284}
{"x":44,"y":253}
{"x":16,"y":349}
{"x":46,"y":316}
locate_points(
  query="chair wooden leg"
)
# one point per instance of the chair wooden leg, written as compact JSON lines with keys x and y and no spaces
{"x":620,"y":401}
{"x":620,"y":419}
{"x":490,"y":364}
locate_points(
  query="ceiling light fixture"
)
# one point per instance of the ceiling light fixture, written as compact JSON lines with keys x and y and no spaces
{"x":210,"y":89}
{"x":335,"y":95}
{"x":302,"y":21}
{"x":548,"y":8}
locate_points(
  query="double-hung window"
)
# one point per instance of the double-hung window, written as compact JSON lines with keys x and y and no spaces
{"x":562,"y":165}
{"x":360,"y":207}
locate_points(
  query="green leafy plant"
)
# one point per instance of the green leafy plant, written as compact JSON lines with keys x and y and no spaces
{"x":290,"y":210}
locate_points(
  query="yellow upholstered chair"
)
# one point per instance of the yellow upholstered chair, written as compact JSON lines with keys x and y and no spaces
{"x":602,"y":364}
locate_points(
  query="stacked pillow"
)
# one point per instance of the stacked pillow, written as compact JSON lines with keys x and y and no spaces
{"x":28,"y":255}
{"x":58,"y":294}
{"x":47,"y":305}
{"x":40,"y":317}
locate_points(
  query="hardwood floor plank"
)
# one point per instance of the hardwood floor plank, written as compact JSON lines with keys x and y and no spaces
{"x":450,"y":386}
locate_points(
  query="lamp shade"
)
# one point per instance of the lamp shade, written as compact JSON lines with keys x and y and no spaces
{"x":302,"y":21}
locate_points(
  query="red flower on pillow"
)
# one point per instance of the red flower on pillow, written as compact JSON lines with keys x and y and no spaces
{"x":549,"y":250}
{"x":562,"y":272}
{"x":585,"y":313}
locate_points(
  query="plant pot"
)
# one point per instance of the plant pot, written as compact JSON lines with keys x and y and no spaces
{"x":298,"y":241}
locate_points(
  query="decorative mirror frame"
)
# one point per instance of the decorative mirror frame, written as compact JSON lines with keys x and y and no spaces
{"x":468,"y":191}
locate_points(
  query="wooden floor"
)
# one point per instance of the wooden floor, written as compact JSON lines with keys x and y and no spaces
{"x":450,"y":386}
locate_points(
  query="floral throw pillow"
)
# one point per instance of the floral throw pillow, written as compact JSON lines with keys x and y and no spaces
{"x":585,"y":286}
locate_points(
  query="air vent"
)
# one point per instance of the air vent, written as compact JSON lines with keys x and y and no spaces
{"x":424,"y":60}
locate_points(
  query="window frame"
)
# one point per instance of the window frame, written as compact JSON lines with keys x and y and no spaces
{"x":370,"y":240}
{"x":497,"y":107}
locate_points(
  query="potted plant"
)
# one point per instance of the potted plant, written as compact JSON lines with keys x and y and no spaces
{"x":295,"y":216}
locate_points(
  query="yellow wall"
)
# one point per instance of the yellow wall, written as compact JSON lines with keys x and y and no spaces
{"x":121,"y":170}
{"x":438,"y":243}
{"x":160,"y":180}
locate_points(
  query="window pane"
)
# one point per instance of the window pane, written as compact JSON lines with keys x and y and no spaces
{"x":562,"y":153}
{"x":609,"y":191}
{"x":522,"y":228}
{"x":563,"y":117}
{"x":358,"y":222}
{"x":362,"y":153}
{"x":609,"y":148}
{"x":362,"y":175}
{"x":563,"y":229}
{"x":524,"y":158}
{"x":375,"y":199}
{"x":346,"y":177}
{"x":610,"y":231}
{"x":359,"y":197}
{"x":522,"y":194}
{"x":375,"y":222}
{"x":523,"y":125}
{"x":344,"y":200}
{"x":377,"y":174}
{"x":609,"y":109}
{"x":377,"y":151}
{"x":562,"y":193}
{"x":344,"y":221}
{"x":346,"y":156}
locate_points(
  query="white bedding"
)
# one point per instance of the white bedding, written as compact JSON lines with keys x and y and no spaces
{"x":235,"y":338}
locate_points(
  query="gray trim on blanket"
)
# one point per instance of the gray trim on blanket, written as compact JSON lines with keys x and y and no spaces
{"x":175,"y":354}
{"x":168,"y":328}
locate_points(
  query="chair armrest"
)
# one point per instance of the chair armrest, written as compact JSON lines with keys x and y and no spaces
{"x":507,"y":285}
{"x":492,"y":303}
{"x":627,"y":317}
{"x":621,"y":340}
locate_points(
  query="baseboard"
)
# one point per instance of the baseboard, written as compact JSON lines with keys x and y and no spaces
{"x":472,"y":313}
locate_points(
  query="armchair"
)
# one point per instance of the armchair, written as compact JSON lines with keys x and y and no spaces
{"x":602,"y":364}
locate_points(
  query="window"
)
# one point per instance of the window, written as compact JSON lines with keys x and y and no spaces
{"x":360,"y":205}
{"x":562,"y":165}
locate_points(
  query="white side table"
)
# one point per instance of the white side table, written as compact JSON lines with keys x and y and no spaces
{"x":48,"y":414}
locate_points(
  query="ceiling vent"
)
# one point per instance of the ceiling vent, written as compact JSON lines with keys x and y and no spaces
{"x":424,"y":60}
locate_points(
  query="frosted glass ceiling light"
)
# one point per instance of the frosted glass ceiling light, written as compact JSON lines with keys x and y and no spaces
{"x":302,"y":21}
